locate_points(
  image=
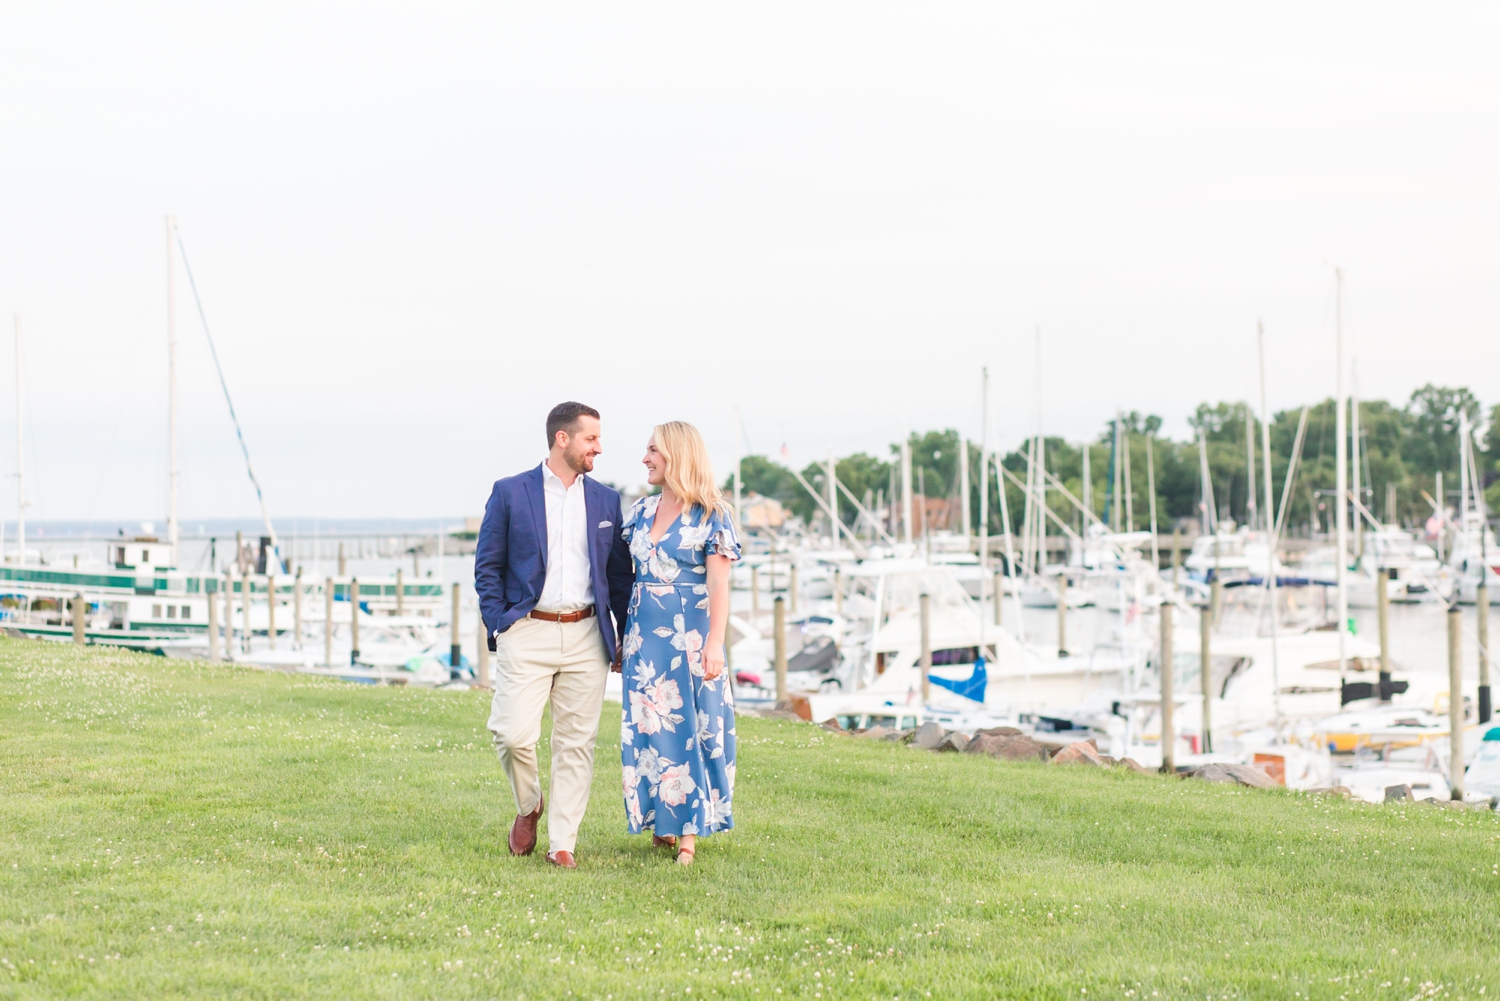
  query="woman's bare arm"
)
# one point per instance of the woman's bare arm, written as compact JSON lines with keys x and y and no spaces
{"x":718,"y":616}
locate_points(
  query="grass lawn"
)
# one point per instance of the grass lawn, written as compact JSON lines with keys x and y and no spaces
{"x":172,"y":829}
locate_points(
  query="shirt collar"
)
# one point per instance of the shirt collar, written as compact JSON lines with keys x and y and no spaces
{"x":549,"y":475}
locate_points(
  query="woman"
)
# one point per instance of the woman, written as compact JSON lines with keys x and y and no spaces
{"x":677,"y":734}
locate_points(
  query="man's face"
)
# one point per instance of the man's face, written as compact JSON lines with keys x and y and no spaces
{"x":582,"y":445}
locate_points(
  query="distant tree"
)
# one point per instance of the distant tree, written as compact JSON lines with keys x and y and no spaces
{"x":1432,"y":443}
{"x":767,"y":478}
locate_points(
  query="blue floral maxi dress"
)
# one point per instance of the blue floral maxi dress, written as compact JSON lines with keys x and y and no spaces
{"x":677,"y":730}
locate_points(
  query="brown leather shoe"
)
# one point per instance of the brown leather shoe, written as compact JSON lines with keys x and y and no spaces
{"x":563,"y":860}
{"x":523,"y":831}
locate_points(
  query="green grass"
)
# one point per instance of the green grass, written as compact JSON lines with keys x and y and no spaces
{"x":172,"y":829}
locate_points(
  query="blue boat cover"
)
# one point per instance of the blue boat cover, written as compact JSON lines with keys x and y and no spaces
{"x":971,"y":687}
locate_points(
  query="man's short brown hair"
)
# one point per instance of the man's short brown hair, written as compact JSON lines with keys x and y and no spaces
{"x":564,"y":417}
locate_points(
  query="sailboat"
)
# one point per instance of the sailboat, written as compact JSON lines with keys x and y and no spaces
{"x":137,"y":596}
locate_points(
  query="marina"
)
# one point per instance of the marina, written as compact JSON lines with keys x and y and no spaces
{"x":1329,"y":660}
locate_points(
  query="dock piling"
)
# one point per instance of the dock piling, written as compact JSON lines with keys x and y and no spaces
{"x":1206,"y":679}
{"x":401,"y":592}
{"x":271,"y":610}
{"x":1383,"y":620}
{"x":1062,"y":615}
{"x":455,"y":655}
{"x":1482,"y":606}
{"x":328,"y":623}
{"x":1168,"y":726}
{"x":297,"y":610}
{"x":80,"y":619}
{"x":1455,"y":701}
{"x":213,"y":626}
{"x":482,"y":664}
{"x":245,"y":635}
{"x":778,"y":631}
{"x":353,"y":620}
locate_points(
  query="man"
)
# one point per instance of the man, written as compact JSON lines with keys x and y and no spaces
{"x":554,"y":577}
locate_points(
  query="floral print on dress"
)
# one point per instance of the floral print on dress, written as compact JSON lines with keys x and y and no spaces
{"x":677,"y":735}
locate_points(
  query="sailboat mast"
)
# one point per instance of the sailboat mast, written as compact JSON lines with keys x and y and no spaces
{"x":984,"y":498}
{"x":172,"y":470}
{"x":1250,"y":512}
{"x":1341,"y":474}
{"x":1463,"y":474}
{"x":1115,"y":474}
{"x":20,"y":460}
{"x":1355,"y":490}
{"x":1271,"y":521}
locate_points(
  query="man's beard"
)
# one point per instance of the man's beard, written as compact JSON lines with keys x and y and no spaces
{"x":582,"y":462}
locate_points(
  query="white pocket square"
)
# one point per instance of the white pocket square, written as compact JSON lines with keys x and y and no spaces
{"x":605,"y":524}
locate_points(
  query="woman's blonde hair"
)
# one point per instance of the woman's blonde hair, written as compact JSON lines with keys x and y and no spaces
{"x":688,"y":472}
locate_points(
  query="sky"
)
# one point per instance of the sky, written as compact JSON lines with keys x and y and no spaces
{"x":415,"y":228}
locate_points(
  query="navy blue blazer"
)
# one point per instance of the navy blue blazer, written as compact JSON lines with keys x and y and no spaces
{"x":510,"y":559}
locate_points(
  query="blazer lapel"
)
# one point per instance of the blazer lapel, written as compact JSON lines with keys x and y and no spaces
{"x":592,"y":518}
{"x":538,"y":501}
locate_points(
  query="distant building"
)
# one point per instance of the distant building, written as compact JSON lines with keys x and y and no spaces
{"x":761,"y":512}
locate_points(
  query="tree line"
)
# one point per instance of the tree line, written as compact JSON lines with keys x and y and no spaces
{"x":1402,"y":450}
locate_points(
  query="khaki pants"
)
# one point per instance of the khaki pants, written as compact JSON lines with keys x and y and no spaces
{"x":563,"y":661}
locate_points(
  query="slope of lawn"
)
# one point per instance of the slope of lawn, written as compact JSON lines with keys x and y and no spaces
{"x":179,"y":830}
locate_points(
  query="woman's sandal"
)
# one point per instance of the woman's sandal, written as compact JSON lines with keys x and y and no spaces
{"x":667,"y":842}
{"x":684,"y":856}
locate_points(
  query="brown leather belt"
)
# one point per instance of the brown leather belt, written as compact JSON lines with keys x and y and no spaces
{"x":578,"y":616}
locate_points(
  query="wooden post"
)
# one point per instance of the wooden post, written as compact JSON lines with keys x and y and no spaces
{"x":1206,"y":678}
{"x":1168,"y":727}
{"x":1176,"y":553}
{"x":1062,"y":615}
{"x":245,"y":634}
{"x":926,"y":606}
{"x":482,"y":667}
{"x":838,"y":591}
{"x":754,"y":593}
{"x":1216,"y":593}
{"x":328,"y":622}
{"x":228,"y":614}
{"x":213,"y":626}
{"x":342,"y":563}
{"x":297,"y":610}
{"x":353,"y":620}
{"x":239,"y":551}
{"x":778,"y":630}
{"x":1455,"y":701}
{"x":791,"y":587}
{"x":1383,"y":610}
{"x":271,"y":610}
{"x":455,"y":655}
{"x":401,"y":593}
{"x":1482,"y":606}
{"x":999,"y":596}
{"x":80,"y":619}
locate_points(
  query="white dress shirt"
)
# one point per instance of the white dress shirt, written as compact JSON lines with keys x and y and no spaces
{"x":569,"y":584}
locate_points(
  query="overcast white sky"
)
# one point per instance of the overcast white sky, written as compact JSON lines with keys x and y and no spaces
{"x":416,"y":228}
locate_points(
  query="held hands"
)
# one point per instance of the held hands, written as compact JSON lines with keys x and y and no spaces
{"x":713,"y":661}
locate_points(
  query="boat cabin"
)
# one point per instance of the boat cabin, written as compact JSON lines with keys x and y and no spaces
{"x":141,"y":553}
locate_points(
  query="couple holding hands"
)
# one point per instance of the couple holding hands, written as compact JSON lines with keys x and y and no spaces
{"x":569,"y":591}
